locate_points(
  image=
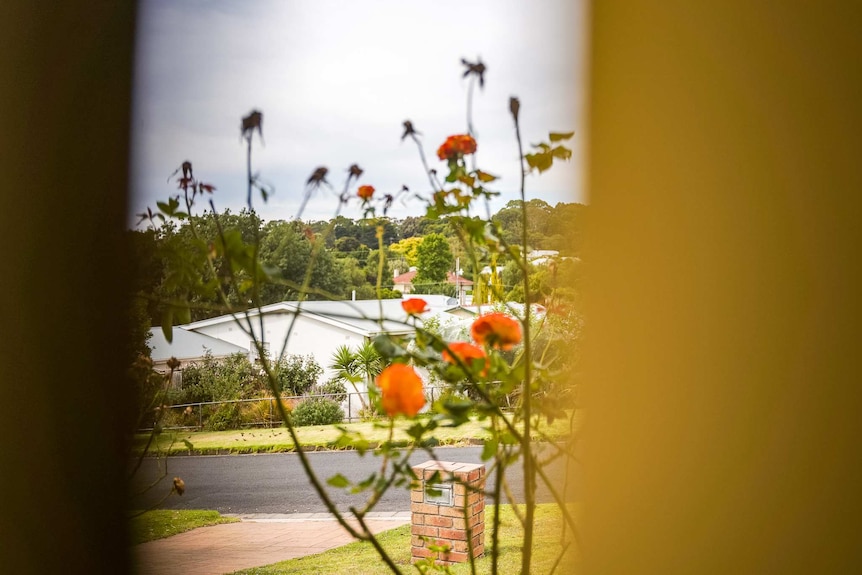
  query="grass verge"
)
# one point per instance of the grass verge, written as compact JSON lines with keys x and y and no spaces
{"x":360,"y":558}
{"x":160,"y":523}
{"x":323,"y":437}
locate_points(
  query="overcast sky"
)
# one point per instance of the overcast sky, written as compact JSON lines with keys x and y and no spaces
{"x":336,"y":79}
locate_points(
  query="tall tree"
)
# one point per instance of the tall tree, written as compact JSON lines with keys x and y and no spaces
{"x":288,"y":250}
{"x":433,"y":260}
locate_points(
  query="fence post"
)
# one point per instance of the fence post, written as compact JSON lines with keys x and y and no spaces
{"x":200,"y":417}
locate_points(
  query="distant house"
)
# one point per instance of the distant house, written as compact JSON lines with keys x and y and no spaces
{"x":404,"y":282}
{"x":187,"y":346}
{"x":542,"y":257}
{"x":315,"y":328}
{"x":515,"y":309}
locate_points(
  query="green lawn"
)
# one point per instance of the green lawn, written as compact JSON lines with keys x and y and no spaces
{"x":317,"y":437}
{"x":161,"y":523}
{"x":360,"y":558}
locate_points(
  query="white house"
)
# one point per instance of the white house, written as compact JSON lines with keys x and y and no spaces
{"x":187,"y":346}
{"x":315,"y":328}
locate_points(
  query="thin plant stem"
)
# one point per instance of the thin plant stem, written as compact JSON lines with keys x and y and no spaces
{"x":526,"y":447}
{"x":248,"y":170}
{"x":495,"y":525}
{"x":434,"y":185}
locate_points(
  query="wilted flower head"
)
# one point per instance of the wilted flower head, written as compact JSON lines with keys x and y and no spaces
{"x":400,"y":390}
{"x":465,"y":353}
{"x":365,"y":192}
{"x":409,"y":130}
{"x":355,"y":171}
{"x":456,"y":146}
{"x":496,"y":330}
{"x":318,"y":176}
{"x":179,"y":486}
{"x":251,"y":122}
{"x":414,"y":305}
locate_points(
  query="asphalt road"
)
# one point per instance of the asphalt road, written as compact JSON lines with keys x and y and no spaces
{"x":276,"y":483}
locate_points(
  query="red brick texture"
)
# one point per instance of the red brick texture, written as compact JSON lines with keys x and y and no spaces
{"x":442,"y":525}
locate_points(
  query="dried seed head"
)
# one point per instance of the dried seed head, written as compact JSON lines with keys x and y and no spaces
{"x":179,"y":486}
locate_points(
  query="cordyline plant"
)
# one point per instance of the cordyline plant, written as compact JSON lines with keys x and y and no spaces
{"x":505,"y":375}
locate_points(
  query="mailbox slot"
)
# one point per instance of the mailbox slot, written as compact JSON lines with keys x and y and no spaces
{"x":446,"y":496}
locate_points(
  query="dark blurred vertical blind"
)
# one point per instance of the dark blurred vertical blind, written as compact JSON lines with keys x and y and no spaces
{"x":65,"y":85}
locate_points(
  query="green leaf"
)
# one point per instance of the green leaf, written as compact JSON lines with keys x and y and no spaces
{"x":188,"y":444}
{"x":561,"y":152}
{"x":560,"y":136}
{"x":167,"y":323}
{"x":539,"y":162}
{"x":467,"y":179}
{"x":489,"y":449}
{"x":361,"y":445}
{"x":506,"y":438}
{"x":183,"y":314}
{"x":338,"y":480}
{"x":416,"y":430}
{"x":485,"y":177}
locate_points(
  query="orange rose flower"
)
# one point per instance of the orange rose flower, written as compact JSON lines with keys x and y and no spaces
{"x":400,"y":390}
{"x":414,"y":305}
{"x":496,"y":330}
{"x":466,"y":353}
{"x":365,"y":192}
{"x":456,"y":146}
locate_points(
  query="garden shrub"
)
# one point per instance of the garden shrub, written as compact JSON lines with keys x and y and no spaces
{"x":334,"y":389}
{"x":225,"y":416}
{"x":296,"y":374}
{"x":256,"y":412}
{"x":212,"y":379}
{"x":317,"y":411}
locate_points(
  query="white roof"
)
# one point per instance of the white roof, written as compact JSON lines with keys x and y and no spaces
{"x":188,"y":345}
{"x":364,"y":317}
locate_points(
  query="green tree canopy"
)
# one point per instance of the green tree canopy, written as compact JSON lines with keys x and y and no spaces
{"x":433,"y":260}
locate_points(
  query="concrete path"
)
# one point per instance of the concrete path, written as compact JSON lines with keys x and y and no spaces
{"x":259,"y":539}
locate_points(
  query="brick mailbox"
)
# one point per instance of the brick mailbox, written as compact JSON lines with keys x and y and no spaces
{"x":452,"y":514}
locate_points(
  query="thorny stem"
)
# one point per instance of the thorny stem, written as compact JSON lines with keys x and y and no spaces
{"x":165,"y":383}
{"x":470,"y":129}
{"x":380,"y":550}
{"x":366,"y":534}
{"x":529,"y":463}
{"x":306,"y":282}
{"x":248,"y":171}
{"x":472,"y":132}
{"x":570,"y":521}
{"x":498,"y":485}
{"x":255,"y":294}
{"x":434,"y":185}
{"x":285,"y":416}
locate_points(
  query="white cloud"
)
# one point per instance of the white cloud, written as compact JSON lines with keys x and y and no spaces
{"x":335,"y":79}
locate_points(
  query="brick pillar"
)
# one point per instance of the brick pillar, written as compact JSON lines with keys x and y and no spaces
{"x":447,"y":519}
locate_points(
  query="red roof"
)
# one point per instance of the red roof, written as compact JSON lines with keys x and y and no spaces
{"x":451,"y":278}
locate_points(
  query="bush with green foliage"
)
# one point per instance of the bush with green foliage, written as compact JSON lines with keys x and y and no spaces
{"x":296,"y":374}
{"x":213,"y":379}
{"x":317,"y":411}
{"x":224,"y":416}
{"x":333,"y":388}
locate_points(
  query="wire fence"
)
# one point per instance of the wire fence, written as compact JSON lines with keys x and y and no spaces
{"x":258,"y":412}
